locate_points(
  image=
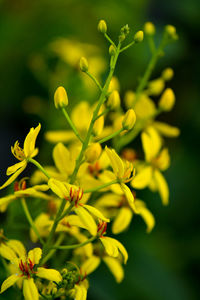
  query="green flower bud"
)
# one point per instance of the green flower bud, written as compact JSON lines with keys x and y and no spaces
{"x":60,"y":97}
{"x":113,"y":100}
{"x":167,"y":100}
{"x":138,"y":37}
{"x":112,"y":50}
{"x":129,"y":120}
{"x":149,"y":28}
{"x":83,"y":64}
{"x":167,"y":74}
{"x":102,"y":26}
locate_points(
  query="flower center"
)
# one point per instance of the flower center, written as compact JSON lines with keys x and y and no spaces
{"x":26,"y":267}
{"x":17,"y":151}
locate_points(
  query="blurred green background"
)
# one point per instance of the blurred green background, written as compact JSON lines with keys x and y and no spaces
{"x":165,"y":264}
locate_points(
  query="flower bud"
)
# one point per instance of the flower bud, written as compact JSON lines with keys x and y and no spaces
{"x":171,"y":31}
{"x":129,"y":119}
{"x":167,"y":74}
{"x":156,"y":87}
{"x":98,"y":126}
{"x":112,"y":50}
{"x":93,"y":152}
{"x":83,"y":64}
{"x":102,"y":26}
{"x":167,"y":100}
{"x":149,"y":28}
{"x":60,"y":97}
{"x":122,"y":37}
{"x":114,"y":85}
{"x":113,"y":100}
{"x":129,"y":99}
{"x":138,"y":37}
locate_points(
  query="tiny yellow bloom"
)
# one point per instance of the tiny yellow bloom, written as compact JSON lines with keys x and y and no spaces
{"x":28,"y":151}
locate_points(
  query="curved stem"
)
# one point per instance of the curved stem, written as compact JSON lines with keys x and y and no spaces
{"x":52,"y":251}
{"x":38,"y":165}
{"x":30,"y":220}
{"x":76,"y":245}
{"x":94,"y":79}
{"x":71,"y":124}
{"x":128,"y":46}
{"x":109,"y":39}
{"x":109,"y":137}
{"x":101,"y":186}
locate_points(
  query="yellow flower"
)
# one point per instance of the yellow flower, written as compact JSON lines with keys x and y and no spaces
{"x":117,"y":206}
{"x":74,"y":194}
{"x":156,"y":160}
{"x":21,"y":191}
{"x":28,"y":151}
{"x":123,"y":172}
{"x":113,"y":247}
{"x":25,"y":270}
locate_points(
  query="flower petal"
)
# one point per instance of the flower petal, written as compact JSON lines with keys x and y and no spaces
{"x":62,"y":159}
{"x":14,"y":176}
{"x":142,"y":179}
{"x":30,"y":290}
{"x":7,"y":253}
{"x":122,"y":220}
{"x":35,"y":255}
{"x":145,"y":213}
{"x":9,"y":282}
{"x":81,"y":292}
{"x":17,"y":246}
{"x":29,"y":142}
{"x":166,"y":129}
{"x":14,"y":168}
{"x":110,"y":247}
{"x":90,"y":265}
{"x":162,"y":187}
{"x":129,"y":197}
{"x":49,"y":274}
{"x":115,"y":267}
{"x":96,"y":212}
{"x":87,"y":219}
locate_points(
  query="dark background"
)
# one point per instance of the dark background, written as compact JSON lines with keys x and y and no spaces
{"x":162,"y":265}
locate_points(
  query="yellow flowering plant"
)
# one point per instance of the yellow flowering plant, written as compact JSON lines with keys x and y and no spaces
{"x":91,"y":188}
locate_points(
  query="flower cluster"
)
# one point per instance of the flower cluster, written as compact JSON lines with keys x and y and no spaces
{"x":90,"y":190}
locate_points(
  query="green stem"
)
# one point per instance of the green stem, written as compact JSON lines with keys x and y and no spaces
{"x":156,"y":55}
{"x":76,"y":245}
{"x":103,"y":113}
{"x":52,"y":251}
{"x":95,"y":114}
{"x":38,"y":165}
{"x":47,"y":246}
{"x":65,"y":113}
{"x":101,"y":186}
{"x":30,"y":220}
{"x":94,"y":79}
{"x":109,"y":137}
{"x":109,"y":39}
{"x":66,"y":212}
{"x":151,"y":44}
{"x":141,"y":124}
{"x":128,"y":46}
